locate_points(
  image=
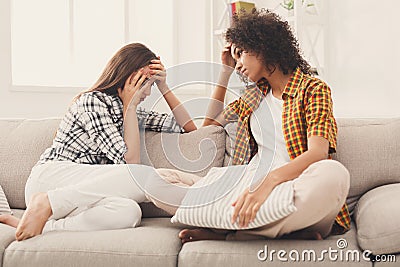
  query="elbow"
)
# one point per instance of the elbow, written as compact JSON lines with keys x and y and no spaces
{"x":132,"y":159}
{"x":321,"y":154}
{"x":189,"y":127}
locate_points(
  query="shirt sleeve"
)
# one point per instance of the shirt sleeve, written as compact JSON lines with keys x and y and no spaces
{"x":158,"y":122}
{"x":96,"y":119}
{"x":231,"y":111}
{"x":319,"y":115}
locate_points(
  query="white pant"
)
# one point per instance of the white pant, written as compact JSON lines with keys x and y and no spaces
{"x":87,"y":197}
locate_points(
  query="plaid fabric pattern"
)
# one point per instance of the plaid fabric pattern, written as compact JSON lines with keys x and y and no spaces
{"x":307,"y":111}
{"x":91,"y":132}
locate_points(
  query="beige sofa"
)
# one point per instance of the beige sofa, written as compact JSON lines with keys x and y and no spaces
{"x":369,"y":148}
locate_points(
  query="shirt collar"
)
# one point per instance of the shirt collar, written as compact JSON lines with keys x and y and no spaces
{"x":292,"y":86}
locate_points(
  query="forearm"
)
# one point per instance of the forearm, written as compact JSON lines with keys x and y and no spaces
{"x":131,"y":136}
{"x":180,"y":113}
{"x":216,"y":105}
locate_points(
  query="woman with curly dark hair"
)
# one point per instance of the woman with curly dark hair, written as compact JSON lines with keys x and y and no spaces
{"x":285,"y":115}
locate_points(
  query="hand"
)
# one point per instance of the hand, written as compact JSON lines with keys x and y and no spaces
{"x":157,"y":70}
{"x":136,"y":89}
{"x":248,"y":204}
{"x":227,"y":60}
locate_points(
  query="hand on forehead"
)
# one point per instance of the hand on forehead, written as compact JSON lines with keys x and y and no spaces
{"x":146,"y":70}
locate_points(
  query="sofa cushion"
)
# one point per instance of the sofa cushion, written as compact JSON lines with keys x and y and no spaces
{"x":377,"y":216}
{"x":245,"y":253}
{"x":195,"y":152}
{"x":21,"y":144}
{"x":370,"y":149}
{"x":7,"y":236}
{"x":4,"y":206}
{"x":154,"y":243}
{"x":208,"y":203}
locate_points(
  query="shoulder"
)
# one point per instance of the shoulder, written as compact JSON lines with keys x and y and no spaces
{"x":96,"y":101}
{"x":312,"y":86}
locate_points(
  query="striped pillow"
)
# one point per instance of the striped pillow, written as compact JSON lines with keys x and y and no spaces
{"x":4,"y":207}
{"x":208,"y":203}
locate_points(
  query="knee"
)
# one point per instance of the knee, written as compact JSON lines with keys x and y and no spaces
{"x":131,"y":213}
{"x":334,"y":176}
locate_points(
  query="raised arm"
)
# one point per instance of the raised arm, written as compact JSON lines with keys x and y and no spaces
{"x":180,"y":113}
{"x":216,"y":106}
{"x":131,"y":96}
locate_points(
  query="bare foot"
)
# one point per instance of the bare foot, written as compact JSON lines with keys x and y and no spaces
{"x":189,"y":235}
{"x":303,"y":235}
{"x":34,"y":218}
{"x":9,"y":220}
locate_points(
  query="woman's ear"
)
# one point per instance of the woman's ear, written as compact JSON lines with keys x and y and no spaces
{"x":271,"y":68}
{"x":130,"y":78}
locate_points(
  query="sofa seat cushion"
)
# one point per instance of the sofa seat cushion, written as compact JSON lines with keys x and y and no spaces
{"x":245,"y":253}
{"x":7,"y":236}
{"x":377,"y":216}
{"x":154,"y":243}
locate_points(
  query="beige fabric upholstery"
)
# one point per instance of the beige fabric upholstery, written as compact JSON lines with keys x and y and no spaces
{"x":196,"y":152}
{"x":21,"y":144}
{"x":377,"y":215}
{"x":370,"y":149}
{"x":244,"y":253}
{"x":7,"y":236}
{"x":154,"y":243}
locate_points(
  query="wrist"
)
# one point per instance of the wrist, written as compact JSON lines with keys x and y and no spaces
{"x":223,"y":78}
{"x":129,"y":107}
{"x":227,"y":70}
{"x":164,"y":89}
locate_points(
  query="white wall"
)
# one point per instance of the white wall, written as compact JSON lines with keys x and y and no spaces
{"x":189,"y":36}
{"x":361,"y":57}
{"x":364,"y":56}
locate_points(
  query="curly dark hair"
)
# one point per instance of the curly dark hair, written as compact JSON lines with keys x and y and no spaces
{"x":264,"y":33}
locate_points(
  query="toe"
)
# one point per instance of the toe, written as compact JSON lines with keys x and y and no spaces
{"x":183,"y":233}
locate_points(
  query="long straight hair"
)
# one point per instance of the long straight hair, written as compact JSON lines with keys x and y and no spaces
{"x":127,"y":60}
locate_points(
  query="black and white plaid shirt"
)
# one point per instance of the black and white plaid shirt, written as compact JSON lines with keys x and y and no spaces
{"x":92,"y":130}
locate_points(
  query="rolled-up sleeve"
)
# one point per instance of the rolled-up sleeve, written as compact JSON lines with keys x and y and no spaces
{"x":158,"y":122}
{"x":319,"y":115}
{"x":96,"y":120}
{"x":231,"y":111}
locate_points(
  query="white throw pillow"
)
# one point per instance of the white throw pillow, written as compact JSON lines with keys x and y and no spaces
{"x":208,"y":203}
{"x":4,"y":207}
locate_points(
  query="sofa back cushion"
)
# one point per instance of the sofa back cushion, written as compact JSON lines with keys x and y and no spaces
{"x":370,"y":149}
{"x":195,"y":152}
{"x":21,"y":144}
{"x":23,"y":141}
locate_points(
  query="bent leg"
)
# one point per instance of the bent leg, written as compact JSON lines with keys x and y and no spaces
{"x":319,"y":193}
{"x":81,"y":185}
{"x":107,"y":214}
{"x":168,"y":188}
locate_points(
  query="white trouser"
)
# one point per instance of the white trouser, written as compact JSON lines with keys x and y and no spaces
{"x":87,"y":197}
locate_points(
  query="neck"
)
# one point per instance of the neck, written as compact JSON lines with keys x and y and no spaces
{"x":278,"y":82}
